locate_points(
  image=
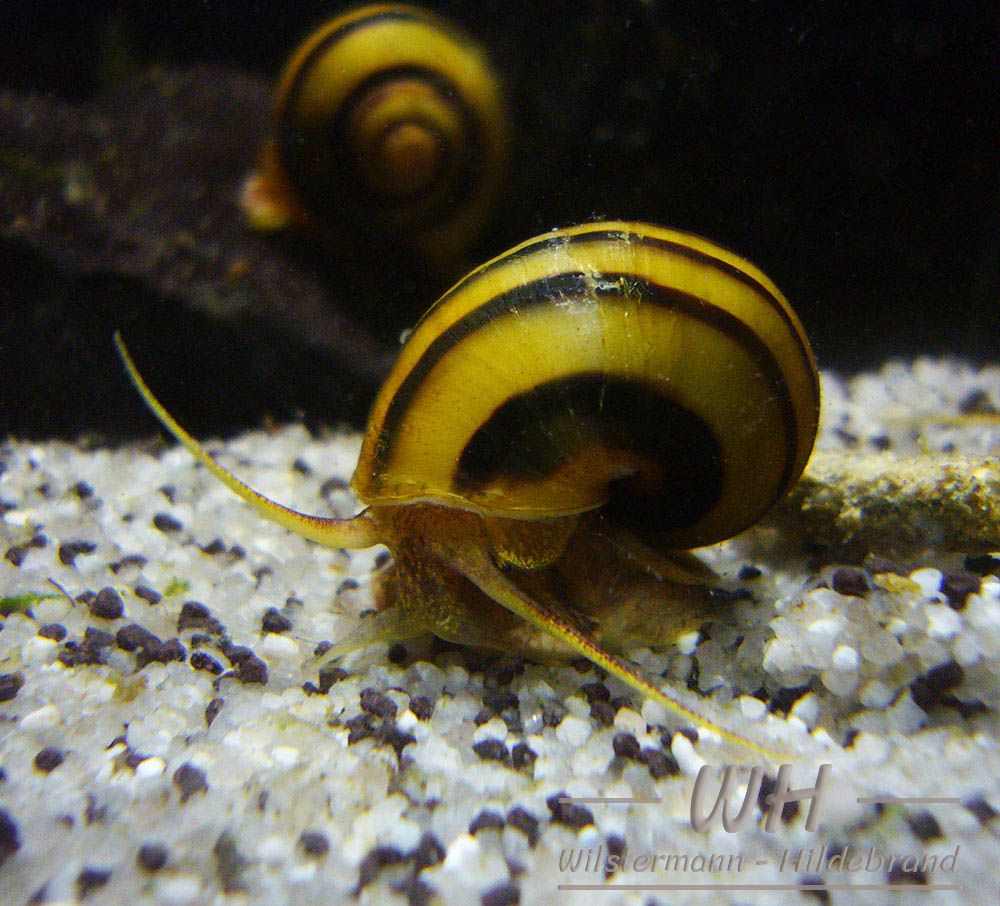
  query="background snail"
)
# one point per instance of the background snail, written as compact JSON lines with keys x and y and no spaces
{"x":387,"y":117}
{"x":613,"y":383}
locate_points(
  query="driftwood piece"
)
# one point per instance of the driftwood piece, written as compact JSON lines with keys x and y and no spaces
{"x":852,"y":504}
{"x":121,"y":212}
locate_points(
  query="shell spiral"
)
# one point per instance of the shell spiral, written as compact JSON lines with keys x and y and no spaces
{"x":617,"y":365}
{"x":390,"y":118}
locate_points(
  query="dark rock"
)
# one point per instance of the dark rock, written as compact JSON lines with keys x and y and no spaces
{"x":492,"y":750}
{"x":925,"y":826}
{"x":91,"y":879}
{"x":97,"y":638}
{"x":133,"y":637}
{"x":487,"y":819}
{"x":16,"y":554}
{"x":237,"y":654}
{"x":525,"y":822}
{"x":212,"y":710}
{"x":429,"y":851}
{"x":375,"y":702}
{"x":201,"y":660}
{"x":162,"y":652}
{"x":82,"y":490}
{"x":10,"y":685}
{"x":851,"y":581}
{"x":422,"y":707}
{"x":49,"y":758}
{"x":899,"y":875}
{"x":616,"y":847}
{"x":569,"y":813}
{"x":54,"y":631}
{"x":230,"y":863}
{"x":397,"y":653}
{"x":522,"y":756}
{"x":660,"y":763}
{"x":275,"y":621}
{"x":373,"y":863}
{"x":10,"y":836}
{"x":252,"y":670}
{"x":500,"y":700}
{"x":330,"y":675}
{"x":983,"y":811}
{"x":625,"y":745}
{"x":504,"y":894}
{"x":768,"y":784}
{"x":74,"y":654}
{"x":195,"y":615}
{"x":190,"y":779}
{"x":132,"y":561}
{"x":149,"y":595}
{"x":784,"y":698}
{"x":167,"y":523}
{"x":931,"y":688}
{"x":314,"y":843}
{"x":956,"y":587}
{"x":152,"y":856}
{"x":977,"y":402}
{"x":983,"y":565}
{"x":603,"y":712}
{"x":418,"y":891}
{"x":819,"y":894}
{"x":596,"y":692}
{"x":70,"y":550}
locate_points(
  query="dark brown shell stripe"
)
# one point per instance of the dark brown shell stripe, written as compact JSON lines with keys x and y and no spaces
{"x":692,"y":254}
{"x":637,"y":420}
{"x":338,"y":34}
{"x":568,"y":284}
{"x":469,"y":159}
{"x":327,"y":189}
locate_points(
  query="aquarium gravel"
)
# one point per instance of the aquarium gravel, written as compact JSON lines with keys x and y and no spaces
{"x":166,"y":738}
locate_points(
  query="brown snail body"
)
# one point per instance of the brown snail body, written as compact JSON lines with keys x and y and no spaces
{"x":610,"y":384}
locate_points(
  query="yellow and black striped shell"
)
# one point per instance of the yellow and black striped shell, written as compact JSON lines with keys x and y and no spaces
{"x":614,"y":364}
{"x":387,"y":117}
{"x":621,"y":367}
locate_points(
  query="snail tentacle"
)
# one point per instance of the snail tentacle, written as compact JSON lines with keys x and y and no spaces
{"x":384,"y":627}
{"x":354,"y":532}
{"x":487,"y":577}
{"x":612,"y":387}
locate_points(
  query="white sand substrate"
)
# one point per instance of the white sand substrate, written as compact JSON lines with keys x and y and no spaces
{"x":212,"y":764}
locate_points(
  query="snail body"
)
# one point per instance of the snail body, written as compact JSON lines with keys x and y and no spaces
{"x":387,"y":118}
{"x":613,"y":383}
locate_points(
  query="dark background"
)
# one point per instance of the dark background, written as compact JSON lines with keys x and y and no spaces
{"x":849,"y":149}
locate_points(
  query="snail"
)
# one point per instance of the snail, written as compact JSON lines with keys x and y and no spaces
{"x":390,"y":118}
{"x":615,"y":383}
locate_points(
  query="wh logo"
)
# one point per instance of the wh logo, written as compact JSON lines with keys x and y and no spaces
{"x":774,"y":802}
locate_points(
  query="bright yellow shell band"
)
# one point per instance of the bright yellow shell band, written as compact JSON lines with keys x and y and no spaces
{"x":673,"y":314}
